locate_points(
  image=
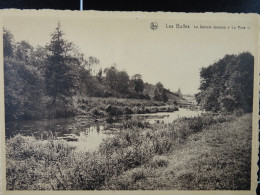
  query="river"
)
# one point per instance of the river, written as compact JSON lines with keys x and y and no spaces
{"x":168,"y":117}
{"x":79,"y":132}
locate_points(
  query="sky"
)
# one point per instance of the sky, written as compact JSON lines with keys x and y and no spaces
{"x":169,"y":55}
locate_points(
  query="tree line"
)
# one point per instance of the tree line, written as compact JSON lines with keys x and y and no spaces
{"x":44,"y":82}
{"x":227,"y":85}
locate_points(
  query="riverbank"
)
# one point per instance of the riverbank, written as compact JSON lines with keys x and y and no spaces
{"x":110,"y":108}
{"x":209,"y":152}
{"x":92,"y":109}
{"x":217,"y":158}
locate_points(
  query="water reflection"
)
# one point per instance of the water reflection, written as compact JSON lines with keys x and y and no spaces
{"x":79,"y":132}
{"x":76,"y":131}
{"x":90,"y":139}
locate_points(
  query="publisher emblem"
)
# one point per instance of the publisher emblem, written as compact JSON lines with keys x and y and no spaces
{"x":154,"y":25}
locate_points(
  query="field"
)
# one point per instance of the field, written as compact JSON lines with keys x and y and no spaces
{"x":208,"y":152}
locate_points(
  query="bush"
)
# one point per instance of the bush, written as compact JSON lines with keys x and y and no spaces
{"x":111,"y":119}
{"x":134,"y":122}
{"x":238,"y":112}
{"x":195,"y":124}
{"x":114,"y":110}
{"x":138,"y":110}
{"x":162,"y":142}
{"x":95,"y":112}
{"x":224,"y":118}
{"x":127,"y":110}
{"x":159,"y":161}
{"x":138,"y":174}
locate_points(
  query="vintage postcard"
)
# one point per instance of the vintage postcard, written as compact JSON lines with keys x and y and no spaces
{"x":128,"y":102}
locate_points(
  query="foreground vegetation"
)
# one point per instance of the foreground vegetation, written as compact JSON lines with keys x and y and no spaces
{"x":207,"y":152}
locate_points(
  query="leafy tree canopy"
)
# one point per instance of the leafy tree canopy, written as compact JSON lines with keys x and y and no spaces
{"x":227,"y":85}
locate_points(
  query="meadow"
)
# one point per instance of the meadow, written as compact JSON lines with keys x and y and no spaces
{"x":208,"y":152}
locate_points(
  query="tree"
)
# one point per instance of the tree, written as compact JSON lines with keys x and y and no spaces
{"x":8,"y":43}
{"x":227,"y":85}
{"x":164,"y":96}
{"x":138,"y":83}
{"x":38,"y":58}
{"x":179,"y":92}
{"x":123,"y":82}
{"x":160,"y":94}
{"x":117,"y":80}
{"x":92,"y":61}
{"x":24,"y":84}
{"x":111,"y":77}
{"x":61,"y":74}
{"x":157,"y":95}
{"x":99,"y":74}
{"x":24,"y":51}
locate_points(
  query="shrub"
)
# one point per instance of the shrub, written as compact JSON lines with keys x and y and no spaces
{"x":195,"y":124}
{"x":114,"y":110}
{"x":238,"y":112}
{"x":147,"y":110}
{"x":127,"y":110}
{"x":135,"y":122}
{"x":110,"y":119}
{"x":159,"y":161}
{"x":162,"y":143}
{"x":95,"y":112}
{"x":138,"y":174}
{"x":137,"y":110}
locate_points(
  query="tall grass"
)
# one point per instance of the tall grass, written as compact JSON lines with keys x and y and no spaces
{"x":52,"y":164}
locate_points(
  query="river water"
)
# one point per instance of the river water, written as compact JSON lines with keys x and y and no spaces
{"x":81,"y":134}
{"x":168,"y":117}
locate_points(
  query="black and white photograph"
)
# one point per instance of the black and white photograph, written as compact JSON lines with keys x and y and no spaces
{"x":129,"y":101}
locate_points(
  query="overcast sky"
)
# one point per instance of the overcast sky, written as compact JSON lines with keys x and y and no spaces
{"x":171,"y":56}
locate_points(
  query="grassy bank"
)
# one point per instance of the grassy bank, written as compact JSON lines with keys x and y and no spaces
{"x":112,"y":107}
{"x":209,"y":152}
{"x":217,"y":158}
